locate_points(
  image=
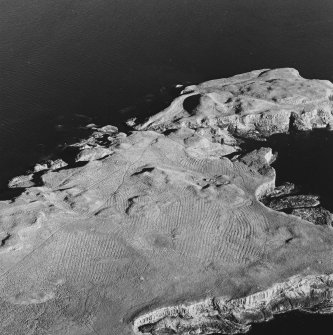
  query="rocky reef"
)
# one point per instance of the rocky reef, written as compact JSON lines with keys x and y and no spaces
{"x":172,"y":227}
{"x":288,"y":199}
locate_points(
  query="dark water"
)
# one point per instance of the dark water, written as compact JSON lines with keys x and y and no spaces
{"x":295,"y":323}
{"x":306,"y":159}
{"x":95,"y":57}
{"x":303,"y":158}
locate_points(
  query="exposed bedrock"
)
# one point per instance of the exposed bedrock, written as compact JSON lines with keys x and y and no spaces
{"x":161,"y":230}
{"x":294,"y":201}
{"x":317,"y":215}
{"x":288,"y":198}
{"x":229,"y":316}
{"x":256,"y":104}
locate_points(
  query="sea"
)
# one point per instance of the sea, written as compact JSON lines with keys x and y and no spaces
{"x":67,"y":63}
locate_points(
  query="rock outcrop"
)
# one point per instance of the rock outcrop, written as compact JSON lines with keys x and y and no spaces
{"x":255,"y":104}
{"x":225,"y":316}
{"x":288,"y":198}
{"x":162,"y":231}
{"x":294,"y":201}
{"x":317,"y":215}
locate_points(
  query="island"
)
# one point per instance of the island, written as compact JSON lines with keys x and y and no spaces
{"x":172,"y":227}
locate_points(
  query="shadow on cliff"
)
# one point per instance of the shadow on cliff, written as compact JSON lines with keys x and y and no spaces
{"x":305,"y":159}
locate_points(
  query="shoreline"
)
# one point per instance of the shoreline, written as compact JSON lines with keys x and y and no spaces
{"x":232,"y":316}
{"x":123,"y":203}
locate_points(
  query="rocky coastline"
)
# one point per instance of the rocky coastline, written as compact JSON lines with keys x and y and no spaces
{"x":218,"y":315}
{"x":172,"y":228}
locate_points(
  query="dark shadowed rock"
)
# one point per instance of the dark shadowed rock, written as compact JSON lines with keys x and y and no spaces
{"x":283,"y":190}
{"x":317,"y":215}
{"x":259,"y":160}
{"x":294,"y":201}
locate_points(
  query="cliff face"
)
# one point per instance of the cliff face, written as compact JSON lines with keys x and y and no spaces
{"x":160,"y":231}
{"x":229,"y":316}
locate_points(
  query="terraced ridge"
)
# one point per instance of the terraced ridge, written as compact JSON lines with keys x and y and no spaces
{"x":157,"y":220}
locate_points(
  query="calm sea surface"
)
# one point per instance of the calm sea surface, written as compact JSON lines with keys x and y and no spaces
{"x":295,"y":323}
{"x":61,"y":60}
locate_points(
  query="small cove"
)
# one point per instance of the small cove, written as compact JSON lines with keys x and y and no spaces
{"x":304,"y":159}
